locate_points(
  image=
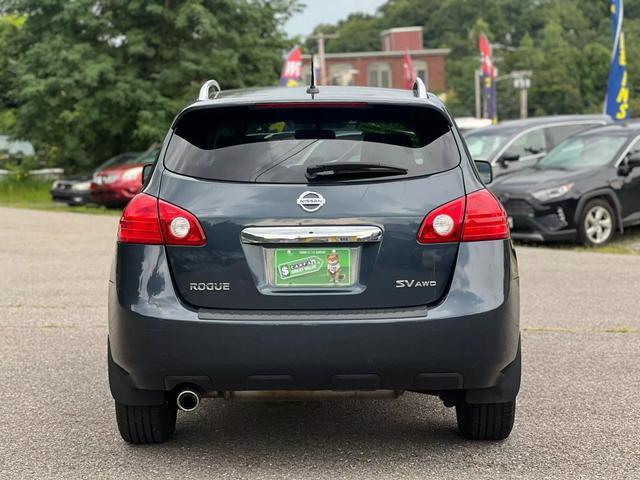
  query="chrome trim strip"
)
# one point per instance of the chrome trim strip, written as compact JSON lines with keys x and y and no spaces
{"x":311,"y":234}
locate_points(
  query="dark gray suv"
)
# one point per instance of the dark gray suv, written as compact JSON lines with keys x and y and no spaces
{"x":295,"y":246}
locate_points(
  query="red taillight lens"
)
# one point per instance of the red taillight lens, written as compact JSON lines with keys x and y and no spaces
{"x":485,"y":219}
{"x":179,"y":227}
{"x":478,"y":216}
{"x":444,"y":224}
{"x":150,"y":221}
{"x":139,"y":222}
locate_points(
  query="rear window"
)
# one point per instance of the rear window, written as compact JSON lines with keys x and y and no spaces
{"x":277,"y":145}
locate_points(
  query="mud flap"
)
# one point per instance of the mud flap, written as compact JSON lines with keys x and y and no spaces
{"x":123,"y":390}
{"x":507,"y":388}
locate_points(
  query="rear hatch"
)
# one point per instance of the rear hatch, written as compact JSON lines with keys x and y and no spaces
{"x":312,"y":206}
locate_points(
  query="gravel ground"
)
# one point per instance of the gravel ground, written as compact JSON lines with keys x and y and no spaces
{"x":577,"y":416}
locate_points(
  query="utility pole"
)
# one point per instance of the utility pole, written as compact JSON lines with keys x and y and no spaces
{"x":478,"y":75}
{"x":522,"y":81}
{"x":523,"y":103}
{"x":321,"y":37}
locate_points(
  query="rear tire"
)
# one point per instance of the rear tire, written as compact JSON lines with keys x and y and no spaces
{"x":485,"y":421}
{"x":141,"y":425}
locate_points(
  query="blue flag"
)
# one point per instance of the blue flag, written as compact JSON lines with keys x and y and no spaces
{"x":616,"y":103}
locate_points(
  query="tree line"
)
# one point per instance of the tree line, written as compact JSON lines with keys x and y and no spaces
{"x":566,"y":43}
{"x":87,"y":79}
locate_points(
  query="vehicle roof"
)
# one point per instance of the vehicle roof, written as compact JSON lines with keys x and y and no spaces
{"x":629,"y":128}
{"x":328,"y":93}
{"x":523,"y":124}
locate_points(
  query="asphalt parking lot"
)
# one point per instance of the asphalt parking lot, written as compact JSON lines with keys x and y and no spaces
{"x":578,"y":415}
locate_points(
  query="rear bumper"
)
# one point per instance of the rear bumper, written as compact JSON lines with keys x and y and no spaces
{"x":538,"y":222}
{"x":529,"y":229}
{"x":113,"y":195}
{"x":76,"y":197}
{"x":465,"y":342}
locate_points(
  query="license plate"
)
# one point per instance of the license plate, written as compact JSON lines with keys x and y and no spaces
{"x":510,"y":222}
{"x":312,"y":267}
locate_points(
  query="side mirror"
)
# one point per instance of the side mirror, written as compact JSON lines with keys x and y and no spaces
{"x":630,"y":162}
{"x":147,"y":170}
{"x":633,"y":160}
{"x":485,"y":170}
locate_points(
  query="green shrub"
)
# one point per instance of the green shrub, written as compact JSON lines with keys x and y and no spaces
{"x":18,"y":189}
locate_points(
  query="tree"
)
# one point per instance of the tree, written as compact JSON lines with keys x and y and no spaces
{"x":566,"y":43}
{"x":95,"y":78}
{"x":9,"y":27}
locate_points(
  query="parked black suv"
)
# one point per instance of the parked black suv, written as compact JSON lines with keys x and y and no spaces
{"x":296,"y":246}
{"x":516,"y":144}
{"x":584,"y":189}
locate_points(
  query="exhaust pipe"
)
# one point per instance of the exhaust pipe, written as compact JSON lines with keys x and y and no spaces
{"x":188,"y":400}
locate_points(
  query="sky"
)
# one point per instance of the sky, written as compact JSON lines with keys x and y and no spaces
{"x":327,"y":11}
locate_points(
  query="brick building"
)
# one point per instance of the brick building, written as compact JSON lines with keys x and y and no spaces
{"x":384,"y":68}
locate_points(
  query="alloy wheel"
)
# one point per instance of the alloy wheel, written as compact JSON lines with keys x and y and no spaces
{"x":598,"y":225}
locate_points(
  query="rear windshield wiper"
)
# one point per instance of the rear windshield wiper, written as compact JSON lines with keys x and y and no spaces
{"x":347,"y":171}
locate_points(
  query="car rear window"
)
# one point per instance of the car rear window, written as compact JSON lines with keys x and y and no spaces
{"x":277,"y":145}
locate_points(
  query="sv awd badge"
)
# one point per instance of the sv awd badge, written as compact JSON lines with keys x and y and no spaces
{"x":415,"y":283}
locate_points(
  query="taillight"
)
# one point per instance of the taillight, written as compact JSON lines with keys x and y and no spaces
{"x":485,"y":219}
{"x":444,"y":224}
{"x":150,"y":221}
{"x":139,"y":222}
{"x":179,"y":227}
{"x":478,"y":216}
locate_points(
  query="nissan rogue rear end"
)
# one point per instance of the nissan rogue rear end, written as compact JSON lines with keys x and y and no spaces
{"x":294,"y":246}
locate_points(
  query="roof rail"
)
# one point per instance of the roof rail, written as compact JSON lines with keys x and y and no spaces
{"x":205,"y":90}
{"x":419,"y":90}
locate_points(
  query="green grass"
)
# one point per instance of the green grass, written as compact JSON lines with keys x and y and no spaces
{"x":28,"y":193}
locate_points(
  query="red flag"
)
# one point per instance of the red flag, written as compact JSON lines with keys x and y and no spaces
{"x":485,"y":54}
{"x":409,"y":74}
{"x":291,"y":73}
{"x":488,"y":78}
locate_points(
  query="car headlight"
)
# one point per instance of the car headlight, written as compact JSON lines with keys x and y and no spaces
{"x":132,"y":174}
{"x":81,"y":186}
{"x":551,"y":193}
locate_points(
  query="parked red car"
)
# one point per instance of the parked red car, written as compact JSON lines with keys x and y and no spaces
{"x":115,"y":183}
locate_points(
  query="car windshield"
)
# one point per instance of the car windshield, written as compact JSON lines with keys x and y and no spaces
{"x":147,"y":157}
{"x":122,"y":159}
{"x":484,"y":145}
{"x":585,"y":151}
{"x":129,"y":158}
